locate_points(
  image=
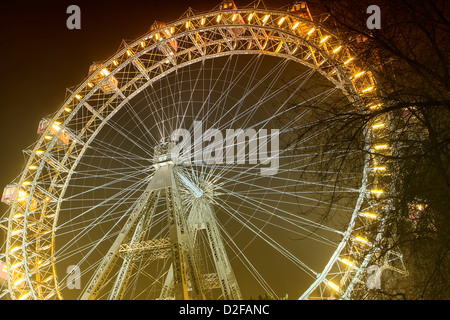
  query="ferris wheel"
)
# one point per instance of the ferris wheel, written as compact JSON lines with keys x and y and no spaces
{"x":200,"y":162}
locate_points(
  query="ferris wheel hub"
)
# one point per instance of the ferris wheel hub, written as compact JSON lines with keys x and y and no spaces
{"x":162,"y":154}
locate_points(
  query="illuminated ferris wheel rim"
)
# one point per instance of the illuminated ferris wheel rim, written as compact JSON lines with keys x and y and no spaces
{"x":287,"y":36}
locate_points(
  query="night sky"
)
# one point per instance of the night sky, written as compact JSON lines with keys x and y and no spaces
{"x":40,"y":57}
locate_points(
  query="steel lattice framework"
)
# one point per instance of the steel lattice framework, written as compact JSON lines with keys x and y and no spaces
{"x":41,"y":189}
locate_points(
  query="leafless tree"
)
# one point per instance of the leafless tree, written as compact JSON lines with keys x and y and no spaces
{"x":409,"y":56}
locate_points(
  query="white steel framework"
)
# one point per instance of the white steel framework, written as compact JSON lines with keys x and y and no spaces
{"x":193,"y":197}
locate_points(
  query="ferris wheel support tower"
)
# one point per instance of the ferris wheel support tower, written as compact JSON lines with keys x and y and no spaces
{"x":183,"y":276}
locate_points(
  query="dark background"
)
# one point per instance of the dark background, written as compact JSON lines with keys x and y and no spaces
{"x":40,"y":57}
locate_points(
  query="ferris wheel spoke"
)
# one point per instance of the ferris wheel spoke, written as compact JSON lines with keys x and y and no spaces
{"x":263,"y":98}
{"x":283,"y":130}
{"x":107,"y":184}
{"x":114,"y":175}
{"x":146,"y":202}
{"x":140,"y":124}
{"x":259,"y":233}
{"x":294,"y":224}
{"x":125,"y":193}
{"x":76,"y":226}
{"x":119,"y":167}
{"x":267,"y":96}
{"x":297,"y":164}
{"x":225,"y":91}
{"x":129,"y":136}
{"x":294,"y":201}
{"x":110,"y":149}
{"x":278,"y":213}
{"x":239,"y":254}
{"x":255,"y":178}
{"x":85,"y":249}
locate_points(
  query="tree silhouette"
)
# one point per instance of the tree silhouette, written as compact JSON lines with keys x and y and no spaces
{"x":409,"y":57}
